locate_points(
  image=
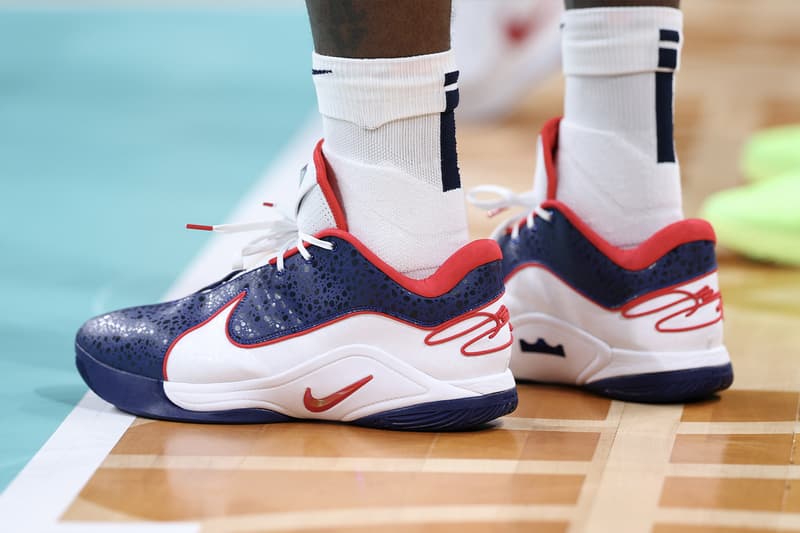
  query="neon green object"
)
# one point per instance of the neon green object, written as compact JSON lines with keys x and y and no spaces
{"x":761,"y":220}
{"x":771,"y":153}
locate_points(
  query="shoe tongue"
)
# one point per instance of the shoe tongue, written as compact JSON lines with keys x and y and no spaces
{"x":318,"y":208}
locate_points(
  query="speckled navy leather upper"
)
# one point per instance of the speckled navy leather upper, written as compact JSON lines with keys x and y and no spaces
{"x":306,"y":294}
{"x":562,"y":248}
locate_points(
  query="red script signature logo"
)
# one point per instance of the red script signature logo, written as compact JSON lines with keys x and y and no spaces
{"x":464,"y":325}
{"x":686,"y":311}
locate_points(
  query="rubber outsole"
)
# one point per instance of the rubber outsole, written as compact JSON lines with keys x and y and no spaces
{"x":446,"y":415}
{"x":144,"y":396}
{"x":677,"y":386}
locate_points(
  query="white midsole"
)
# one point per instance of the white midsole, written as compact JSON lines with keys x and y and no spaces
{"x":402,"y":364}
{"x":394,"y":384}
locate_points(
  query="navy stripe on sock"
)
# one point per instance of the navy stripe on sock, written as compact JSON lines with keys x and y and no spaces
{"x":452,"y":100}
{"x":664,"y":118}
{"x":450,"y":78}
{"x":451,"y":179}
{"x":667,"y":58}
{"x":671,"y":36}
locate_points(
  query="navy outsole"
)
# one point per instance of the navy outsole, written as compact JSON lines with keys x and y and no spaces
{"x":677,"y":386}
{"x":446,"y":415}
{"x":144,"y":396}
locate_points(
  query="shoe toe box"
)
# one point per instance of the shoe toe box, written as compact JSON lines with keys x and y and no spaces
{"x":132,"y":340}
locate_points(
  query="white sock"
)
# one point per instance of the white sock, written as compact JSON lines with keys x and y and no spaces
{"x":616,"y":156}
{"x":390,"y":141}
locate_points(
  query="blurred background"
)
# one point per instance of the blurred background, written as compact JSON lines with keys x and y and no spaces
{"x":119,"y":123}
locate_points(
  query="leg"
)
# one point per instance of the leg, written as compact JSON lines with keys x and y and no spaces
{"x":347,"y":28}
{"x":386,"y":88}
{"x":619,"y":99}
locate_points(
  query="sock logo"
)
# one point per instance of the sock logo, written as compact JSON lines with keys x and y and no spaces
{"x":482,"y":328}
{"x":318,"y":72}
{"x":683,"y":310}
{"x":541,"y":346}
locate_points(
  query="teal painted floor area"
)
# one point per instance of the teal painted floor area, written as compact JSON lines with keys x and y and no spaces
{"x":116,"y":128}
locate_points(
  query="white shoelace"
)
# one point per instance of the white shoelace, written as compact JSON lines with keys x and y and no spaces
{"x":504,"y":198}
{"x":280,"y":235}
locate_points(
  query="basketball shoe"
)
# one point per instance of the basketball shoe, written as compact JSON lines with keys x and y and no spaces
{"x":641,"y":324}
{"x":322,"y":329}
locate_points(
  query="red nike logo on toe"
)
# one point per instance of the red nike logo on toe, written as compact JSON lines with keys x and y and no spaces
{"x":318,"y":405}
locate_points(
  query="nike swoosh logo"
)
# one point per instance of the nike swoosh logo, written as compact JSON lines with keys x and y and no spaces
{"x":318,"y":405}
{"x":541,"y":346}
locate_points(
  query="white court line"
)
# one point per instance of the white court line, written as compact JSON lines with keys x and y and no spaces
{"x":734,"y":471}
{"x":391,"y":516}
{"x":515,"y":423}
{"x":630,"y":485}
{"x":48,"y":484}
{"x":594,"y":474}
{"x":760,"y":520}
{"x":738,"y":428}
{"x":346,"y":464}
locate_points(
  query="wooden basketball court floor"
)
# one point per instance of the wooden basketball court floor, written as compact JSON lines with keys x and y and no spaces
{"x":565,"y":460}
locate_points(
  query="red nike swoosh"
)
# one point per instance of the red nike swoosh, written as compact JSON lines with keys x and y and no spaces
{"x":318,"y":405}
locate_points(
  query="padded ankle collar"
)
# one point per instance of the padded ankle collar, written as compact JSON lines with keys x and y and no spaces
{"x":651,"y":250}
{"x":468,"y":258}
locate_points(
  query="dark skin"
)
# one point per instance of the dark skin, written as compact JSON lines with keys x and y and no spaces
{"x":368,"y":29}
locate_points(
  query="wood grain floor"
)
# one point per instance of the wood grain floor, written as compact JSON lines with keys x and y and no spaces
{"x":566,"y":460}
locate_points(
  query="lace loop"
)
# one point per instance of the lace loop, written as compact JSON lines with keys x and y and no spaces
{"x":278,"y":237}
{"x":504,"y":198}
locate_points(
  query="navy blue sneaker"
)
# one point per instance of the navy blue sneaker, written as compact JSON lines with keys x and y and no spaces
{"x":318,"y":328}
{"x":642,"y":324}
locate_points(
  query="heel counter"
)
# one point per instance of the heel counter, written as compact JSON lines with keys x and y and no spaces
{"x":685,"y":316}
